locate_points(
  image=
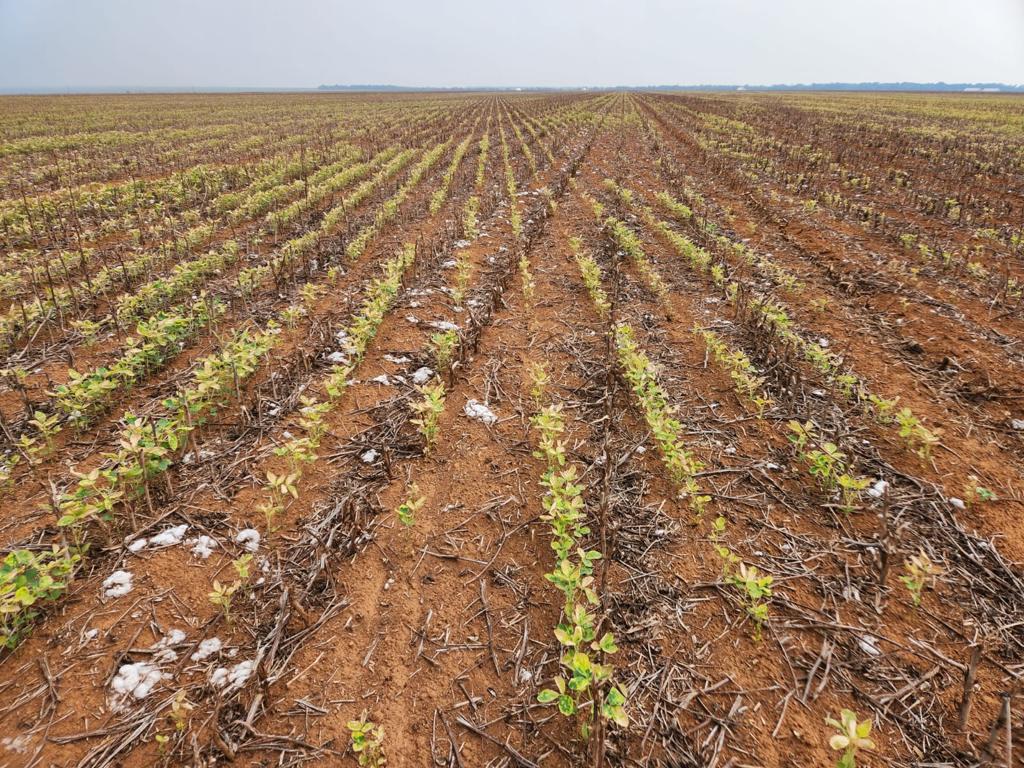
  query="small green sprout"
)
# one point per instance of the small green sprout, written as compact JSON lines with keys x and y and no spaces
{"x":444,"y":345}
{"x":407,"y":509}
{"x":428,"y":412}
{"x":368,"y":742}
{"x":920,"y":571}
{"x":757,"y":592}
{"x":851,"y":737}
{"x":222,"y":595}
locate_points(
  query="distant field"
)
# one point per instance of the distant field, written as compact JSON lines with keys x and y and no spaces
{"x":562,"y":429}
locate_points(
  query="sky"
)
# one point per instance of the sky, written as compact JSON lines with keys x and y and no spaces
{"x":75,"y":44}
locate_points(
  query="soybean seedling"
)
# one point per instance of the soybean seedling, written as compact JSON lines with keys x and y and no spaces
{"x":368,"y":742}
{"x":88,"y":328}
{"x":975,"y":492}
{"x":729,"y":559}
{"x":281,"y":489}
{"x":463,"y":275}
{"x":47,"y":425}
{"x":920,"y":570}
{"x":443,"y":345}
{"x":428,"y":412}
{"x":180,"y":707}
{"x":241,"y":566}
{"x":851,"y":737}
{"x":851,"y":487}
{"x":538,"y":382}
{"x":407,"y":509}
{"x":757,"y":592}
{"x":222,"y":595}
{"x":717,"y":529}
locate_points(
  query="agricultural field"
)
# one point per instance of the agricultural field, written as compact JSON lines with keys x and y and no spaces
{"x":580,"y":429}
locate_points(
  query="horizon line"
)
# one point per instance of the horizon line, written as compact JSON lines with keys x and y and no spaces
{"x":938,"y":85}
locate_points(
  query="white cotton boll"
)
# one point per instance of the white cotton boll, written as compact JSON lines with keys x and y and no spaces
{"x":203,"y":546}
{"x":249,"y":539}
{"x":397,"y":360}
{"x":477,"y":410}
{"x":137,"y":680}
{"x":18,"y":744}
{"x":173,"y":637}
{"x":958,"y":503}
{"x":164,"y":654}
{"x":878,"y":490}
{"x":444,"y":325}
{"x":369,"y":456}
{"x":204,"y":455}
{"x":422,"y":375}
{"x":207,"y":648}
{"x":338,"y":358}
{"x":869,"y":644}
{"x":169,"y":537}
{"x":117,"y":584}
{"x":1017,"y":423}
{"x":235,"y":677}
{"x":137,"y":545}
{"x":241,"y":672}
{"x":382,"y":379}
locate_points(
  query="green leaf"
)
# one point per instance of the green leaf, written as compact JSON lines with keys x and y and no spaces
{"x":563,"y":637}
{"x":566,"y":705}
{"x":615,"y":697}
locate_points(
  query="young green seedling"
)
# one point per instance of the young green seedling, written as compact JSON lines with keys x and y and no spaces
{"x":47,"y":426}
{"x":757,"y":592}
{"x":851,"y":737}
{"x":443,"y":344}
{"x":221,"y":596}
{"x":407,"y":509}
{"x":428,"y":412}
{"x":368,"y":742}
{"x":920,"y":571}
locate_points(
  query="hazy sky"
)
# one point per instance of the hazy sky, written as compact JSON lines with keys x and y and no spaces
{"x":302,"y":43}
